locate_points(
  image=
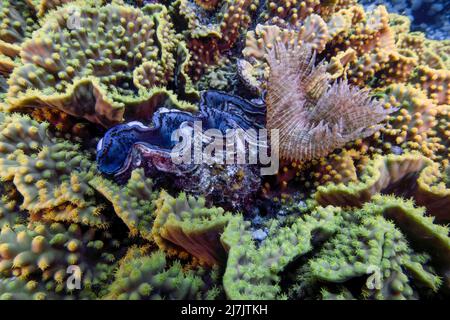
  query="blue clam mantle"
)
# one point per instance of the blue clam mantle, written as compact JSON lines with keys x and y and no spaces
{"x":218,"y":110}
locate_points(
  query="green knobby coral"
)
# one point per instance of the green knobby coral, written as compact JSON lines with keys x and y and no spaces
{"x":384,"y":174}
{"x":369,"y":245}
{"x":133,"y":203}
{"x":142,"y":276}
{"x":421,"y":230}
{"x":50,"y":173}
{"x":221,"y":77}
{"x":185,"y":225}
{"x":10,"y":213}
{"x":434,"y":191}
{"x":378,"y":174}
{"x":18,"y":289}
{"x":41,"y":7}
{"x":43,"y":252}
{"x":255,"y":273}
{"x":106,"y":64}
{"x":17,"y":23}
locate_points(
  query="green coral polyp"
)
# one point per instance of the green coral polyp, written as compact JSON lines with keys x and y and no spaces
{"x":153,"y":277}
{"x":383,"y":172}
{"x":133,"y":203}
{"x":368,"y":221}
{"x":44,"y":252}
{"x":374,"y":242}
{"x":113,"y":64}
{"x":51,"y":174}
{"x":17,"y":24}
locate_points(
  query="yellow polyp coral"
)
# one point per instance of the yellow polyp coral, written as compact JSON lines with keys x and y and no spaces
{"x":359,"y":46}
{"x":41,"y":7}
{"x":306,"y":110}
{"x":132,"y":203}
{"x":259,"y":42}
{"x":419,"y":124}
{"x":313,"y":31}
{"x":391,"y":173}
{"x":399,"y":24}
{"x":44,"y":252}
{"x":374,"y":42}
{"x":207,"y":38}
{"x":416,"y":114}
{"x":439,"y":135}
{"x":337,"y":168}
{"x":107,"y":71}
{"x":339,"y":64}
{"x":151,"y":276}
{"x":434,"y":191}
{"x":293,"y":13}
{"x":184,"y":225}
{"x":50,"y":174}
{"x":62,"y":122}
{"x":17,"y":23}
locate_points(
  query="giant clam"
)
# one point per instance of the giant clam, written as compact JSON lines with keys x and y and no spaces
{"x":134,"y":144}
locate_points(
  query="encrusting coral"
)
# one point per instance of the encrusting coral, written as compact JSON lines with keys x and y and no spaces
{"x":50,"y":173}
{"x":10,"y":213}
{"x":18,"y":289}
{"x":184,"y":225}
{"x":253,"y":272}
{"x":17,"y":24}
{"x":390,"y":174}
{"x":382,"y":251}
{"x":115,"y":63}
{"x":212,"y":29}
{"x":44,"y":252}
{"x":149,"y":276}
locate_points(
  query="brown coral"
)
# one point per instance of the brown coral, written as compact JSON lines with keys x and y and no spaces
{"x":314,"y":118}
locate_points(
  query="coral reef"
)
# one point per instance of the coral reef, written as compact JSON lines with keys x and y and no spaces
{"x":17,"y":289}
{"x":51,"y":174}
{"x":18,"y":23}
{"x":185,"y":226}
{"x":126,"y":174}
{"x":212,"y":27}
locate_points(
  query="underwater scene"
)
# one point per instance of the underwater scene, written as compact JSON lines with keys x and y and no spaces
{"x":224,"y":149}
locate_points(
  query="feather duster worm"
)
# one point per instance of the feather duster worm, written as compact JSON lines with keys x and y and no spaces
{"x":312,"y":116}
